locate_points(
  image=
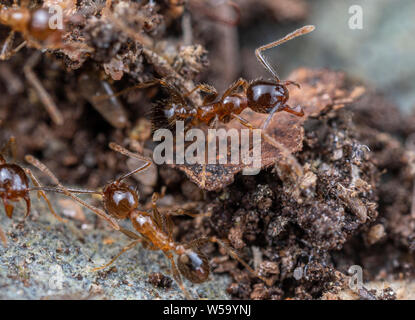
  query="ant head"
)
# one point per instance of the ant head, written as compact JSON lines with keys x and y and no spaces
{"x":120,"y":200}
{"x":264,"y":95}
{"x":194,"y":266}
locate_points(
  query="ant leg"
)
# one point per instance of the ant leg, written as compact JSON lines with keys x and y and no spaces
{"x":292,"y":161}
{"x":233,"y":254}
{"x":42,"y":194}
{"x":44,"y":96}
{"x":138,"y":86}
{"x":35,"y":162}
{"x":6,"y":51}
{"x":290,"y":82}
{"x":116,"y":147}
{"x":214,"y":16}
{"x":204,"y":88}
{"x":162,"y":221}
{"x":3,"y":237}
{"x":236,"y":85}
{"x":126,"y":248}
{"x":292,"y":35}
{"x":177,"y":277}
{"x":8,"y":207}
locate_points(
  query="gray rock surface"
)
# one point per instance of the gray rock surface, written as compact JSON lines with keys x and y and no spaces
{"x":46,"y":259}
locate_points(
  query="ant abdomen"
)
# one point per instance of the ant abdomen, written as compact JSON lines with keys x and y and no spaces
{"x":120,"y":200}
{"x":194,"y":266}
{"x":14,"y":185}
{"x":264,"y":95}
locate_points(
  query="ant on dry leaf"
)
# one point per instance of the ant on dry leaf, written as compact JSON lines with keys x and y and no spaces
{"x":262,"y":96}
{"x":154,"y":229}
{"x":14,"y":186}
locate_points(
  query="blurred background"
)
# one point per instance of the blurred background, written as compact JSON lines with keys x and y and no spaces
{"x":372,"y":41}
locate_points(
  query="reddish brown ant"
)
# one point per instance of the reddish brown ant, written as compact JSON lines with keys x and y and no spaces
{"x":34,"y":26}
{"x":263,"y":96}
{"x":155,"y":229}
{"x":14,"y":186}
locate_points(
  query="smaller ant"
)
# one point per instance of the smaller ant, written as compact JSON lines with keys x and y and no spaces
{"x":34,"y":26}
{"x":155,"y":229}
{"x":262,"y":96}
{"x":14,"y":185}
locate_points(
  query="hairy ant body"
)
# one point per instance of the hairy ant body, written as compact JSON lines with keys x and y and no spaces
{"x":14,"y":186}
{"x":154,"y":229}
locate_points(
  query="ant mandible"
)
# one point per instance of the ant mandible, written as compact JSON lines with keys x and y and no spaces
{"x":154,"y":229}
{"x":14,"y":186}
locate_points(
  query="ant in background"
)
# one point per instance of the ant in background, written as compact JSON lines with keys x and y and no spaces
{"x":14,"y":186}
{"x":262,"y":96}
{"x":154,"y":229}
{"x":34,"y":25}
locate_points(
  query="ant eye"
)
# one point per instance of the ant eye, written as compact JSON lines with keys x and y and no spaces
{"x":194,"y":266}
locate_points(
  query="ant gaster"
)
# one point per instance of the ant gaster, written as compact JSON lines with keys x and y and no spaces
{"x":154,"y":229}
{"x":14,"y":186}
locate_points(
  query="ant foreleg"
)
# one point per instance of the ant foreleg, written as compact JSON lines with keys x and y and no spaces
{"x":297,"y":111}
{"x":176,"y":275}
{"x":126,"y":248}
{"x":35,"y":162}
{"x":292,"y":161}
{"x":42,"y":194}
{"x":44,"y":96}
{"x":234,"y":255}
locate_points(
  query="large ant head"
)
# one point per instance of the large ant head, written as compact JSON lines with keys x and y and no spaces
{"x":194,"y":265}
{"x":120,"y":199}
{"x":265,"y":95}
{"x":14,"y":185}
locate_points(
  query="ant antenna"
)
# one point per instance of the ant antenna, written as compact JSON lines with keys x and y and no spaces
{"x":258,"y":52}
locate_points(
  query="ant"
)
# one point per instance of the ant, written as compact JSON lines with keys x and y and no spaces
{"x":262,"y":96}
{"x":34,"y":25}
{"x":14,"y":185}
{"x":154,"y":229}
